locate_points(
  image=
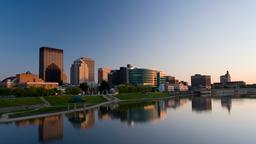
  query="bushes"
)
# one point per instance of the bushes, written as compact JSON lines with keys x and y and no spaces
{"x":72,"y":91}
{"x":135,"y":88}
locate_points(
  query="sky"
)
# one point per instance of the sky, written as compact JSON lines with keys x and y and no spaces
{"x":180,"y":37}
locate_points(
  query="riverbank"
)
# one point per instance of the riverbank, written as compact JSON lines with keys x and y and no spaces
{"x":19,"y":107}
{"x":60,"y":105}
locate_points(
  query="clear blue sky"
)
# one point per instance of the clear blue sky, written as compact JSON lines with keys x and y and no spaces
{"x":181,"y":37}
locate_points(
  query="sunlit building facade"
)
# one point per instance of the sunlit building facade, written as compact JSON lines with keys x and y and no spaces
{"x":103,"y":74}
{"x":91,"y":68}
{"x":28,"y":80}
{"x":82,"y":70}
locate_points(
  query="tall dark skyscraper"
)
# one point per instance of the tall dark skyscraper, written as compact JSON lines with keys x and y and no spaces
{"x":51,"y":65}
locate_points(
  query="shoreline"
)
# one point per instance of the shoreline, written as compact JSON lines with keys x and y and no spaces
{"x":6,"y":120}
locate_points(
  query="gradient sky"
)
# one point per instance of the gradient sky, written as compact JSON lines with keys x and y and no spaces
{"x":181,"y":37}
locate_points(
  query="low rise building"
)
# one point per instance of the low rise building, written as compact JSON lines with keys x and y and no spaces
{"x":232,"y":84}
{"x":27,"y":80}
{"x":176,"y":87}
{"x":46,"y":85}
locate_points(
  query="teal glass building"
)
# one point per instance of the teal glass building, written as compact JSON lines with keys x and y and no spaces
{"x":146,"y":77}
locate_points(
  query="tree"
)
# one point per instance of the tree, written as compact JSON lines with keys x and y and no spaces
{"x":104,"y":87}
{"x":84,"y":87}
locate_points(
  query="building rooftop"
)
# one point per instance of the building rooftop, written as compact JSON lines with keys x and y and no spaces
{"x":51,"y":48}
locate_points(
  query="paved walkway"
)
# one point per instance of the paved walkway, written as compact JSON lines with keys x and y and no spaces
{"x":45,"y":101}
{"x":111,"y":98}
{"x":6,"y":119}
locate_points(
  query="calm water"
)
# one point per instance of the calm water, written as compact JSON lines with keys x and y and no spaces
{"x":177,"y":121}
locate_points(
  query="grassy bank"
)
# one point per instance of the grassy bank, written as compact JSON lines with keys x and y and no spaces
{"x":131,"y":96}
{"x":20,"y":102}
{"x":59,"y":103}
{"x":64,"y":100}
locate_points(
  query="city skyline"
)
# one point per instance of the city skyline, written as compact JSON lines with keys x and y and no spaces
{"x":182,"y":38}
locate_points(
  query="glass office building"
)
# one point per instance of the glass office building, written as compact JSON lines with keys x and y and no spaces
{"x":147,"y":77}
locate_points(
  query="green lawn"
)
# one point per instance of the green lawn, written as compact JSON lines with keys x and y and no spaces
{"x":64,"y":100}
{"x":94,"y":99}
{"x":130,"y":96}
{"x":20,"y":102}
{"x":59,"y":103}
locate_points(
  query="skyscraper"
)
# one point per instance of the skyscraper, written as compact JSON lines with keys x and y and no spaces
{"x":91,"y":68}
{"x":103,"y":74}
{"x":51,"y":65}
{"x":82,"y":70}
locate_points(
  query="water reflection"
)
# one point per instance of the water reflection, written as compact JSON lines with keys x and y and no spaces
{"x":82,"y":120}
{"x":226,"y":102}
{"x":49,"y":128}
{"x":140,"y":112}
{"x":108,"y":123}
{"x":200,"y":104}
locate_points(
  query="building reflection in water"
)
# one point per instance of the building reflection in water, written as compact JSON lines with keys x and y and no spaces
{"x":49,"y":128}
{"x":83,"y":119}
{"x":25,"y":123}
{"x":226,"y":102}
{"x":140,"y":112}
{"x":201,"y":104}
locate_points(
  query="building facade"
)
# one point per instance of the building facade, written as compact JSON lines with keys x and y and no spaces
{"x":51,"y":67}
{"x":28,"y":80}
{"x":137,"y":76}
{"x":103,"y":74}
{"x":82,"y":70}
{"x":27,"y":77}
{"x":118,"y":77}
{"x":200,"y":82}
{"x":91,"y":68}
